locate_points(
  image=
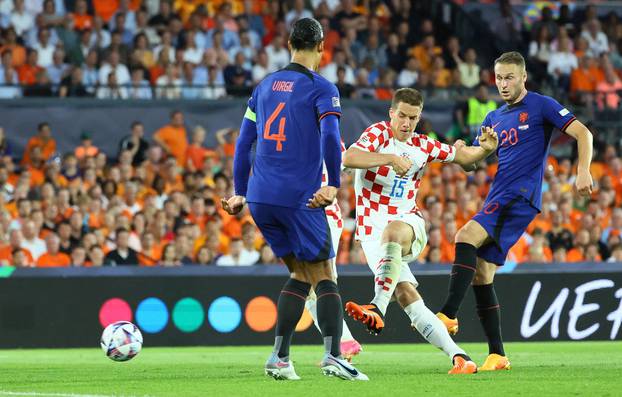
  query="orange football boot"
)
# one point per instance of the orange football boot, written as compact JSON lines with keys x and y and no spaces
{"x":366,"y":315}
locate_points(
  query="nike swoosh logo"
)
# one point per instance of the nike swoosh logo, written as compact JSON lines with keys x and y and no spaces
{"x":352,"y":371}
{"x":282,"y":364}
{"x":495,"y":125}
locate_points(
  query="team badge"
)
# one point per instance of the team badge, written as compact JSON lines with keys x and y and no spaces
{"x":523,"y":117}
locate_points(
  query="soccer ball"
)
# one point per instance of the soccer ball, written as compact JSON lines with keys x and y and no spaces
{"x":121,"y":341}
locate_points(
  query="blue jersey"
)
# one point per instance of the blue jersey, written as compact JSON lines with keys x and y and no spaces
{"x":288,"y":106}
{"x":524,"y":131}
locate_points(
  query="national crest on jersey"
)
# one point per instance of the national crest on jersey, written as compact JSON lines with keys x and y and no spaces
{"x":525,"y":130}
{"x":381,"y":195}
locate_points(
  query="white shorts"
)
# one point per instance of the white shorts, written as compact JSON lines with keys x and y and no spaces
{"x":373,"y":252}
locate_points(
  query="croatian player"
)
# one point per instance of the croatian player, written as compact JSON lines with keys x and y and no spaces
{"x":390,"y":158}
{"x":293,"y":115}
{"x":526,"y":122}
{"x":349,"y":346}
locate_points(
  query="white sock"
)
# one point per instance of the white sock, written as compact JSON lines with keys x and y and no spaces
{"x":431,"y":328}
{"x":386,"y":275}
{"x":311,"y":305}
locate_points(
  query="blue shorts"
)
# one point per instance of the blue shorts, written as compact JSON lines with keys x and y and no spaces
{"x":505,"y":218}
{"x":292,"y":231}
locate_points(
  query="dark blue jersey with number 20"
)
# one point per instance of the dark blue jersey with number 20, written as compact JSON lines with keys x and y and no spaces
{"x":524,"y":131}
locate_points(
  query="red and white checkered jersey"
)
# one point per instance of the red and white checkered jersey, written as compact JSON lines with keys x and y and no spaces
{"x":381,"y":195}
{"x":333,"y":211}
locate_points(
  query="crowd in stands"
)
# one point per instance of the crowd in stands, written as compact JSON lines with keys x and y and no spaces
{"x":157,"y":201}
{"x":205,"y":50}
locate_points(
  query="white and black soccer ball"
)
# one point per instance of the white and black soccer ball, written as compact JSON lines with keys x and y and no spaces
{"x":121,"y":341}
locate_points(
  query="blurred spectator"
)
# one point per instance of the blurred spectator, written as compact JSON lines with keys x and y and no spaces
{"x":8,"y":251}
{"x":237,"y":256}
{"x":297,"y":12}
{"x":139,"y":87}
{"x":81,"y":19}
{"x":21,"y":20}
{"x":86,"y":149}
{"x":469,"y":70}
{"x":172,"y":137}
{"x":112,"y":89}
{"x":561,"y":64}
{"x":168,"y":86}
{"x":122,"y":254}
{"x":607,"y":90}
{"x":42,"y":140}
{"x":596,"y":39}
{"x":113,"y":65}
{"x":345,"y":89}
{"x":278,"y":55}
{"x":52,"y":256}
{"x":339,"y":61}
{"x":28,"y":71}
{"x":472,"y":113}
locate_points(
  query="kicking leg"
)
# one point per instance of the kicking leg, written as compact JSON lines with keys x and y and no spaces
{"x":397,"y":238}
{"x":431,"y":328}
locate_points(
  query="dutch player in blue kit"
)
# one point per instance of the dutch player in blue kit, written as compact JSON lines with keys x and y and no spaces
{"x":293,"y":117}
{"x":524,"y":126}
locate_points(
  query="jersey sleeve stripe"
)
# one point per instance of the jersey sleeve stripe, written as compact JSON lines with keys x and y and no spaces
{"x":250,"y":115}
{"x":568,"y":123}
{"x":329,"y":113}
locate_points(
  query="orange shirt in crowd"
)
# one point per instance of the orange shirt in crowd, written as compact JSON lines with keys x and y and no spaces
{"x":176,"y":140}
{"x":47,"y":148}
{"x":82,"y":22}
{"x":58,"y":260}
{"x":6,"y":254}
{"x":150,"y":258}
{"x":228,"y":149}
{"x":105,"y":8}
{"x":197,"y":155}
{"x":27,"y":74}
{"x":83,"y":151}
{"x":18,"y":52}
{"x":575,"y":255}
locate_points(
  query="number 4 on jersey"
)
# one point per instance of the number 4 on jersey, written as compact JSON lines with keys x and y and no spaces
{"x":280,"y":136}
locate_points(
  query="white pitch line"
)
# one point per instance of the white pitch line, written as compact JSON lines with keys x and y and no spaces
{"x":37,"y":394}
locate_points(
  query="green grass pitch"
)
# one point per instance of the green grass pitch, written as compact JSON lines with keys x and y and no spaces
{"x":539,"y":369}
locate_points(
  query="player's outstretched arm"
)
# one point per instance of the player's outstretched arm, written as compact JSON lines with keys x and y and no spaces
{"x":356,"y":158}
{"x":242,"y":164}
{"x":578,"y":131}
{"x":467,"y":156}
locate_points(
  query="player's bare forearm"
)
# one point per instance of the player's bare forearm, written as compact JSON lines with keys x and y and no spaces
{"x":356,"y":158}
{"x":468,"y":156}
{"x":578,"y":131}
{"x":584,"y":142}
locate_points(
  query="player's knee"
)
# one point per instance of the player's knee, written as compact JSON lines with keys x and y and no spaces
{"x":320,"y":271}
{"x":483,"y":275}
{"x":398,"y":232}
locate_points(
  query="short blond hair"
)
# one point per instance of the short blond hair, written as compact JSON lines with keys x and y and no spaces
{"x":511,"y":58}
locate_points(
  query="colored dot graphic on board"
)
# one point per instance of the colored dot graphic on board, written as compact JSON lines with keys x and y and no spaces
{"x":260,"y":314}
{"x":224,"y":314}
{"x":114,"y":309}
{"x":188,"y":315}
{"x":151,"y":315}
